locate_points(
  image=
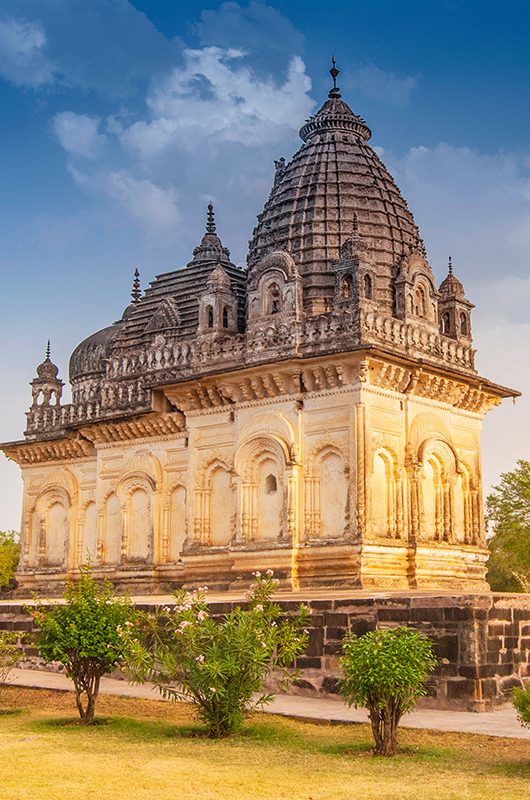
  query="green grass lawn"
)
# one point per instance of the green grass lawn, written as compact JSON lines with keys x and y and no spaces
{"x":150,"y":750}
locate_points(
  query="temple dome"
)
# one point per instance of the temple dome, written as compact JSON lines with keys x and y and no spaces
{"x":89,"y":356}
{"x":334,"y":178}
{"x":451,"y":286}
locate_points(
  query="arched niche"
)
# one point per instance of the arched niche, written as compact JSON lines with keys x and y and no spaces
{"x":51,"y":526}
{"x":438,"y":472}
{"x":220,"y":506}
{"x":90,"y":532}
{"x":139,"y":525}
{"x":177,"y":522}
{"x":327,"y":494}
{"x":383,"y":494}
{"x":113,"y":529}
{"x":57,"y":528}
{"x":260,"y":464}
{"x":269,"y":498}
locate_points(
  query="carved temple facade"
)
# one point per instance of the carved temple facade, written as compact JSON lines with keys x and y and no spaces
{"x":318,"y":413}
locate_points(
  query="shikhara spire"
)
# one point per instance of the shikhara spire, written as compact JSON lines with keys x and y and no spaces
{"x":334,"y":72}
{"x":210,"y":219}
{"x":136,"y":292}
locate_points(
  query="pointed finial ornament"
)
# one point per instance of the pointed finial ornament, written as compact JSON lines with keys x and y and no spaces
{"x":334,"y":72}
{"x":450,"y":266}
{"x":136,"y":292}
{"x":48,"y":351}
{"x":355,"y":225}
{"x":210,"y":219}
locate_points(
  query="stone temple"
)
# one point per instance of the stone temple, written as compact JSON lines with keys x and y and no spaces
{"x":317,"y":413}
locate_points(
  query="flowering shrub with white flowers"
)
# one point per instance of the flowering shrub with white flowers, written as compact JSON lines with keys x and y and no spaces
{"x":220,"y":665}
{"x":89,"y":635}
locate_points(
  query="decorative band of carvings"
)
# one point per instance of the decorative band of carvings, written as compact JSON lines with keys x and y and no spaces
{"x":52,"y":450}
{"x":140,"y":427}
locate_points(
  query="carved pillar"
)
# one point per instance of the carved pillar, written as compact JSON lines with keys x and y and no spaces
{"x":414,"y":479}
{"x":100,"y":536}
{"x":124,"y":532}
{"x":391,"y":520}
{"x":197,"y":519}
{"x":79,"y":542}
{"x":245,"y":511}
{"x":448,"y":515}
{"x":42,"y":541}
{"x":475,"y":539}
{"x":467,"y":512}
{"x":399,"y":505}
{"x":308,"y":507}
{"x":166,"y":522}
{"x":292,"y":503}
{"x":207,"y":517}
{"x":438,"y":511}
{"x":360,"y":450}
{"x":254,"y":526}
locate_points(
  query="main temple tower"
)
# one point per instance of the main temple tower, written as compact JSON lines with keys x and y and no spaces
{"x":318,"y":413}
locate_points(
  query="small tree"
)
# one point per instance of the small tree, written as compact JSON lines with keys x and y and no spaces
{"x":10,"y":654}
{"x":221,"y":666}
{"x":84,"y":635}
{"x":385,"y":671}
{"x":508,"y":516}
{"x":9,"y":555}
{"x":521,"y":701}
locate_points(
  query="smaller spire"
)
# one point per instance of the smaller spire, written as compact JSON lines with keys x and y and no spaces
{"x":450,"y":266}
{"x":48,"y":351}
{"x":355,"y":225}
{"x":334,"y":72}
{"x":210,"y":219}
{"x":136,"y":292}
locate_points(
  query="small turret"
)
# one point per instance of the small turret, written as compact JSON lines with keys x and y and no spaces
{"x":454,"y":308}
{"x":47,"y":386}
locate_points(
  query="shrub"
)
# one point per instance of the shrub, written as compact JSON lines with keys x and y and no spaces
{"x":385,"y":671}
{"x":521,"y":701}
{"x":9,"y":555}
{"x":221,"y":666}
{"x":10,"y":654}
{"x":84,"y":635}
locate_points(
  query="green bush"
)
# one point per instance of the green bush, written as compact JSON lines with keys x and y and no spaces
{"x":84,"y":635}
{"x":10,"y":654}
{"x":385,"y":671}
{"x":9,"y":555}
{"x":221,"y":666}
{"x":521,"y":701}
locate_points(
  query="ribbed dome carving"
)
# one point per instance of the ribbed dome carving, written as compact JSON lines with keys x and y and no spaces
{"x":310,"y":212}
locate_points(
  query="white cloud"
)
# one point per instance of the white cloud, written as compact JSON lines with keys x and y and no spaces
{"x":79,"y":134}
{"x":146,"y":202}
{"x":22,"y":60}
{"x":216,"y":99}
{"x":382,"y":85}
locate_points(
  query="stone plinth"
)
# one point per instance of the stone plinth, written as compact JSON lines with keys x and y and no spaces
{"x":482,"y":640}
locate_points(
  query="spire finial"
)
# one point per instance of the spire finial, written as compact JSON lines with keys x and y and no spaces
{"x":355,"y":224}
{"x":450,"y":266}
{"x":136,"y":292}
{"x":334,"y":72}
{"x":210,"y":219}
{"x":48,"y":351}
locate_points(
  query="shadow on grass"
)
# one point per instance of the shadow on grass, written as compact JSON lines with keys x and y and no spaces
{"x":11,"y":712}
{"x":513,"y":769}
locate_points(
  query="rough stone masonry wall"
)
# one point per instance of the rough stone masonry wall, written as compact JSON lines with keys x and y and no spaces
{"x":482,"y":640}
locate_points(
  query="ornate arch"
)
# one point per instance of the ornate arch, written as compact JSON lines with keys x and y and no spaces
{"x":324,"y":514}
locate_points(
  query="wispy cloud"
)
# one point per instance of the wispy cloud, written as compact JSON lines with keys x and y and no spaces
{"x":79,"y":134}
{"x":22,"y":53}
{"x":382,"y":85}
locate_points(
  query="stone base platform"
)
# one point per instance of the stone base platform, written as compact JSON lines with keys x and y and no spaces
{"x":482,"y":640}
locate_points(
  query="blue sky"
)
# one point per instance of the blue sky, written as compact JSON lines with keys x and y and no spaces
{"x":121,"y":120}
